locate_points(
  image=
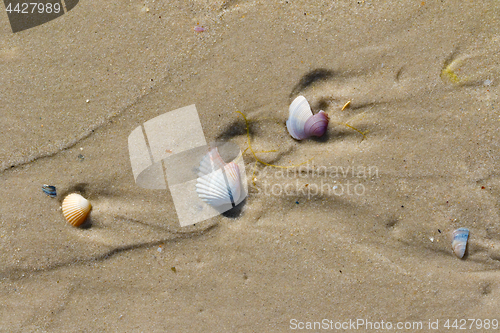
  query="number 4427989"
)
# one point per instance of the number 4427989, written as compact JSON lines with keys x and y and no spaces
{"x":33,"y":7}
{"x":463,"y":324}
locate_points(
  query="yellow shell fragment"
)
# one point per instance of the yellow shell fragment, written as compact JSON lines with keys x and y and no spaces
{"x":346,"y":105}
{"x":75,"y":209}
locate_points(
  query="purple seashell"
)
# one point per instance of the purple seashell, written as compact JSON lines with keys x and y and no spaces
{"x":199,"y":29}
{"x":316,"y":125}
{"x":301,"y":122}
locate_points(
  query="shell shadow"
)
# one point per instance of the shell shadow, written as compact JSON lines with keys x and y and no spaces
{"x":81,"y":188}
{"x":236,"y":128}
{"x":324,"y":138}
{"x":316,"y":75}
{"x":236,"y":211}
{"x":87,"y":224}
{"x":86,"y":190}
{"x":322,"y":104}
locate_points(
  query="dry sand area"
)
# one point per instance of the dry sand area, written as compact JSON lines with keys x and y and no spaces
{"x":422,"y":78}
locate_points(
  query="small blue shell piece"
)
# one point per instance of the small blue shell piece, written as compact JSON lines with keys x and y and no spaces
{"x":49,"y":190}
{"x":459,"y":243}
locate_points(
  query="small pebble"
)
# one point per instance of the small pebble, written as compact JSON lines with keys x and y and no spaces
{"x":159,"y":249}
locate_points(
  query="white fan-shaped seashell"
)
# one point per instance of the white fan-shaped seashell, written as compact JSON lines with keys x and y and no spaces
{"x":220,"y":187}
{"x":212,"y":161}
{"x":301,"y":122}
{"x":75,"y":209}
{"x":298,"y":113}
{"x":459,"y":243}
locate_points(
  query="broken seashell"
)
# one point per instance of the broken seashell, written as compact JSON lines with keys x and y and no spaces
{"x":459,"y":243}
{"x":49,"y":190}
{"x":75,"y":209}
{"x":301,"y":122}
{"x":218,"y":183}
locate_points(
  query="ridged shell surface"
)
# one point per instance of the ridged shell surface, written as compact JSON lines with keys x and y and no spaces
{"x":211,"y":162}
{"x":220,"y":187}
{"x":316,"y":125}
{"x":459,"y":243}
{"x":301,"y":122}
{"x":75,"y":209}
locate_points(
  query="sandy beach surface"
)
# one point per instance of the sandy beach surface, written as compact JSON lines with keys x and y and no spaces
{"x":362,"y":231}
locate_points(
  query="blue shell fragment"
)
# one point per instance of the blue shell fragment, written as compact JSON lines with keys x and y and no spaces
{"x":49,"y":190}
{"x":459,"y":243}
